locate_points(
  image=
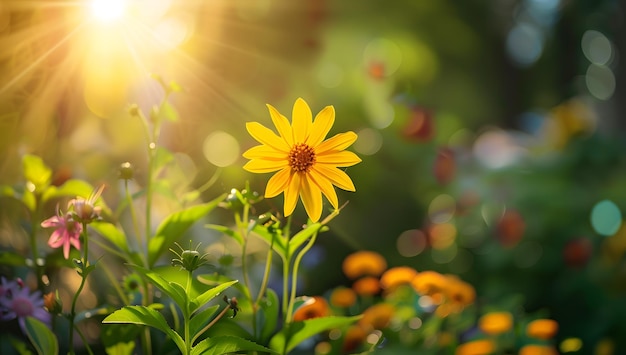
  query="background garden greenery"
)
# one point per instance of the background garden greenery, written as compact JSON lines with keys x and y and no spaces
{"x":488,"y":130}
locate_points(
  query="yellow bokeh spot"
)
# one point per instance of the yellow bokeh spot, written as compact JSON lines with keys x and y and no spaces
{"x":221,"y":149}
{"x":571,"y":345}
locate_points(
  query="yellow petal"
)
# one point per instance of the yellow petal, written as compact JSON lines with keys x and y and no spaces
{"x":340,"y":159}
{"x":264,"y":152}
{"x":311,"y":198}
{"x":326,"y":186}
{"x":339,"y":141}
{"x":322,"y":124}
{"x":264,"y":166}
{"x":301,"y":121}
{"x":265,"y":136}
{"x":278,"y":183}
{"x":282,"y":125}
{"x":291,"y":194}
{"x":336,"y":176}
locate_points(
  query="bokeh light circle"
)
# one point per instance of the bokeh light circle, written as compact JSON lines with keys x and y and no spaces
{"x":329,"y":75}
{"x":411,"y":242}
{"x":442,"y":208}
{"x":221,"y":149}
{"x":606,"y":218}
{"x":524,"y":44}
{"x":382,"y":50}
{"x":369,"y":143}
{"x":596,"y":47}
{"x":600,"y":81}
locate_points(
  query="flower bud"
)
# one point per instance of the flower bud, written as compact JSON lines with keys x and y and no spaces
{"x":126,"y":171}
{"x":188,"y":259}
{"x":52,"y":302}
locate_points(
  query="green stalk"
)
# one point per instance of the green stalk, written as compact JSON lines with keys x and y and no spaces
{"x":294,"y":282}
{"x":187,"y":315}
{"x":84,"y":267}
{"x":35,"y":220}
{"x":133,"y":215}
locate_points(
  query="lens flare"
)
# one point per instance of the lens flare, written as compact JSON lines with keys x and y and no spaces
{"x":107,"y":10}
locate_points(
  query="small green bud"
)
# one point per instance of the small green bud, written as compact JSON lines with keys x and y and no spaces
{"x":133,"y":110}
{"x":126,"y":171}
{"x":189,"y":259}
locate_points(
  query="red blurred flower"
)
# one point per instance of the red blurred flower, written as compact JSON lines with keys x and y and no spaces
{"x":510,"y":229}
{"x":420,"y":125}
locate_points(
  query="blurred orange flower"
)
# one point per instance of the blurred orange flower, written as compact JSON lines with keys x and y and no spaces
{"x":342,"y":297}
{"x":494,"y":323}
{"x":460,"y":292}
{"x":363,"y":263}
{"x":542,"y":328}
{"x":354,"y":337}
{"x":533,"y":349}
{"x":429,"y":283}
{"x":366,"y":286}
{"x":313,"y":307}
{"x":377,"y":316}
{"x":396,"y":276}
{"x":476,"y":347}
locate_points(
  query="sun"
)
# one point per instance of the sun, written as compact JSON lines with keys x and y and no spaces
{"x":107,"y":10}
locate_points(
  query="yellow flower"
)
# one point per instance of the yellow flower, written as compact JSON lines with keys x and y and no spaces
{"x":363,"y":263}
{"x":397,"y":276}
{"x":476,"y":347}
{"x":533,"y":349}
{"x":496,"y":322}
{"x":343,"y":297}
{"x":542,"y":328}
{"x":306,"y":165}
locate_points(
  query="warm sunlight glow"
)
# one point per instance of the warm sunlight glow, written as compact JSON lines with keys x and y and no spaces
{"x":107,"y":10}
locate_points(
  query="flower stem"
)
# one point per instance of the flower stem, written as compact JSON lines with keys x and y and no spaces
{"x":219,"y":316}
{"x":187,"y":315}
{"x":133,"y":215}
{"x":294,"y":275}
{"x":242,"y":222}
{"x":83,"y":275}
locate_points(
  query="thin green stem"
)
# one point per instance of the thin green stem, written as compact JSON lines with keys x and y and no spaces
{"x":294,"y":282}
{"x":82,"y":337}
{"x":242,"y":223}
{"x":187,"y":315}
{"x":219,"y":316}
{"x":35,"y":220}
{"x":266,"y":274}
{"x":84,"y":266}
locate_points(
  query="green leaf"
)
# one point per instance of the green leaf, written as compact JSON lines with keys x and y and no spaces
{"x":112,"y":334}
{"x":208,"y":295}
{"x":29,"y":200}
{"x":298,"y":332}
{"x":229,"y":232}
{"x":42,"y":338}
{"x":12,"y":259}
{"x":268,"y":234}
{"x":168,"y":112}
{"x":201,"y":319}
{"x":36,"y":172}
{"x":226,"y":345}
{"x":216,"y":279}
{"x":111,"y":233}
{"x":121,"y":348}
{"x":269,"y":314}
{"x":145,"y":316}
{"x":176,"y":293}
{"x":162,"y":157}
{"x":175,"y":225}
{"x":72,"y":187}
{"x":302,"y":236}
{"x":8,"y":191}
{"x":175,"y":87}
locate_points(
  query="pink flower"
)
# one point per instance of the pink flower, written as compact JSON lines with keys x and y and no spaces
{"x":67,"y":232}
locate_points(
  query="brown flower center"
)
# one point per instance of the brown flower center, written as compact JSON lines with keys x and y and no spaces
{"x":301,"y":158}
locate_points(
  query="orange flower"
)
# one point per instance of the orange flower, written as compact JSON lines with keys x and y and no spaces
{"x":313,"y":307}
{"x":396,"y":276}
{"x":476,"y":347}
{"x":377,"y":316}
{"x":542,"y":328}
{"x":366,"y":286}
{"x":355,"y":336}
{"x":496,"y":322}
{"x":342,"y":297}
{"x":533,"y":349}
{"x":429,"y":283}
{"x":459,"y":291}
{"x":363,"y":263}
